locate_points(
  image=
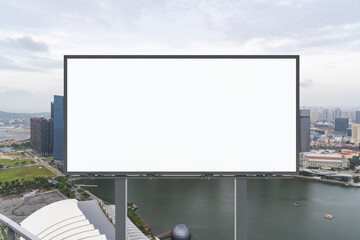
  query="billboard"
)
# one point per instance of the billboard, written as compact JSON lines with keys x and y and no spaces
{"x":181,"y":115}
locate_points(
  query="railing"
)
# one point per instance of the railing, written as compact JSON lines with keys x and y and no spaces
{"x":13,"y":227}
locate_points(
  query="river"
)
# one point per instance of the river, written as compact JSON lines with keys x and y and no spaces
{"x":207,"y":207}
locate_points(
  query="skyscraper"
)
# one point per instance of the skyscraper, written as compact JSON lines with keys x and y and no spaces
{"x":357,"y":116}
{"x":341,"y":124}
{"x":355,"y":132}
{"x":305,"y":130}
{"x":338,"y":113}
{"x":52,"y":110}
{"x":328,"y":115}
{"x":42,"y":135}
{"x":58,"y":109}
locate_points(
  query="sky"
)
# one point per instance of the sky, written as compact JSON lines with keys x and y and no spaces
{"x":34,"y":36}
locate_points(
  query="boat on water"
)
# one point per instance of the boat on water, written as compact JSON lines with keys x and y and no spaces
{"x":329,"y":216}
{"x":296,"y":204}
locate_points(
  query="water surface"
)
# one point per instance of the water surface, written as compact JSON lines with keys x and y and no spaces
{"x":207,"y":207}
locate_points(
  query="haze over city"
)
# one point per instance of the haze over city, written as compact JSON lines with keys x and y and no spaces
{"x":34,"y":38}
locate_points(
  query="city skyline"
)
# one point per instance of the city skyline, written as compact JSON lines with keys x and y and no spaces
{"x":34,"y":38}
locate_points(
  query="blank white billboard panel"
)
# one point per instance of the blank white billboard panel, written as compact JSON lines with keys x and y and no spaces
{"x":181,"y":115}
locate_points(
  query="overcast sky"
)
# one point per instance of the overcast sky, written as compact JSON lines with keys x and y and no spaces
{"x":34,"y":36}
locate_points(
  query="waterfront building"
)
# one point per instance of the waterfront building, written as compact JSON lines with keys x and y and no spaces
{"x":341,"y":124}
{"x":355,"y":132}
{"x":58,"y":115}
{"x":305,"y":130}
{"x":323,"y":160}
{"x":349,"y":153}
{"x":42,"y":136}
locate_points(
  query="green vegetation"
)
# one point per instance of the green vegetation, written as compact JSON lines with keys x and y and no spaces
{"x":18,"y":187}
{"x":106,"y":214}
{"x":48,"y":159}
{"x":356,"y":179}
{"x":137,"y":220}
{"x":21,"y":146}
{"x":13,"y":163}
{"x":84,"y":195}
{"x":3,"y":233}
{"x":25,"y":173}
{"x":302,"y":173}
{"x":65,"y":187}
{"x":354,"y":162}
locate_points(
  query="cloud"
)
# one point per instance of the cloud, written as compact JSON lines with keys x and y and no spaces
{"x":25,"y":43}
{"x":17,"y":92}
{"x":43,"y":64}
{"x":8,"y":64}
{"x":325,"y":33}
{"x":307,"y":83}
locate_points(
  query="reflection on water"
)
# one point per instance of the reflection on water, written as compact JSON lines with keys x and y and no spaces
{"x":207,"y":207}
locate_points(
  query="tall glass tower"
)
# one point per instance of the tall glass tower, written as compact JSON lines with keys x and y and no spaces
{"x":58,"y":108}
{"x":305,"y":130}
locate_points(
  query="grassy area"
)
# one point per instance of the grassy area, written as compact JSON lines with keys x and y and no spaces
{"x":25,"y":173}
{"x":15,"y":163}
{"x":48,"y":159}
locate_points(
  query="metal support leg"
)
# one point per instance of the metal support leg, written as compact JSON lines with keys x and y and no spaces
{"x":10,"y":234}
{"x":240,"y":208}
{"x":120,"y":208}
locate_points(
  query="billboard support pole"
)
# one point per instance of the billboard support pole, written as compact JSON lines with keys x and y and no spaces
{"x":240,"y":200}
{"x":120,"y":208}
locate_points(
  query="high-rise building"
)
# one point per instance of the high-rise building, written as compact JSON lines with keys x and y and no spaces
{"x":338,"y":113}
{"x":327,"y":115}
{"x":58,"y":108}
{"x":348,"y":114}
{"x":315,"y":116}
{"x":355,"y":132}
{"x":348,"y":132}
{"x":357,"y":116}
{"x":52,"y":110}
{"x":341,"y":124}
{"x":42,"y":135}
{"x":304,"y":130}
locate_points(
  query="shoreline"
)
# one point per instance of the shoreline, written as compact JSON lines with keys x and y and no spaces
{"x":326,"y":181}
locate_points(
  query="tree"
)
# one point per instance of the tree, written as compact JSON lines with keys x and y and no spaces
{"x":354,"y":161}
{"x":72,"y":194}
{"x":356,"y":179}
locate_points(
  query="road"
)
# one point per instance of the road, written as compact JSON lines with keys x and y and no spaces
{"x":1,"y":169}
{"x":42,"y":162}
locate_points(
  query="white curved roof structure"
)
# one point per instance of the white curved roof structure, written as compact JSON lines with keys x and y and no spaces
{"x":133,"y":233}
{"x":62,"y":220}
{"x":77,"y":220}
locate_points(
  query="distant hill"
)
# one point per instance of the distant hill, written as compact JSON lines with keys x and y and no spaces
{"x":7,"y":115}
